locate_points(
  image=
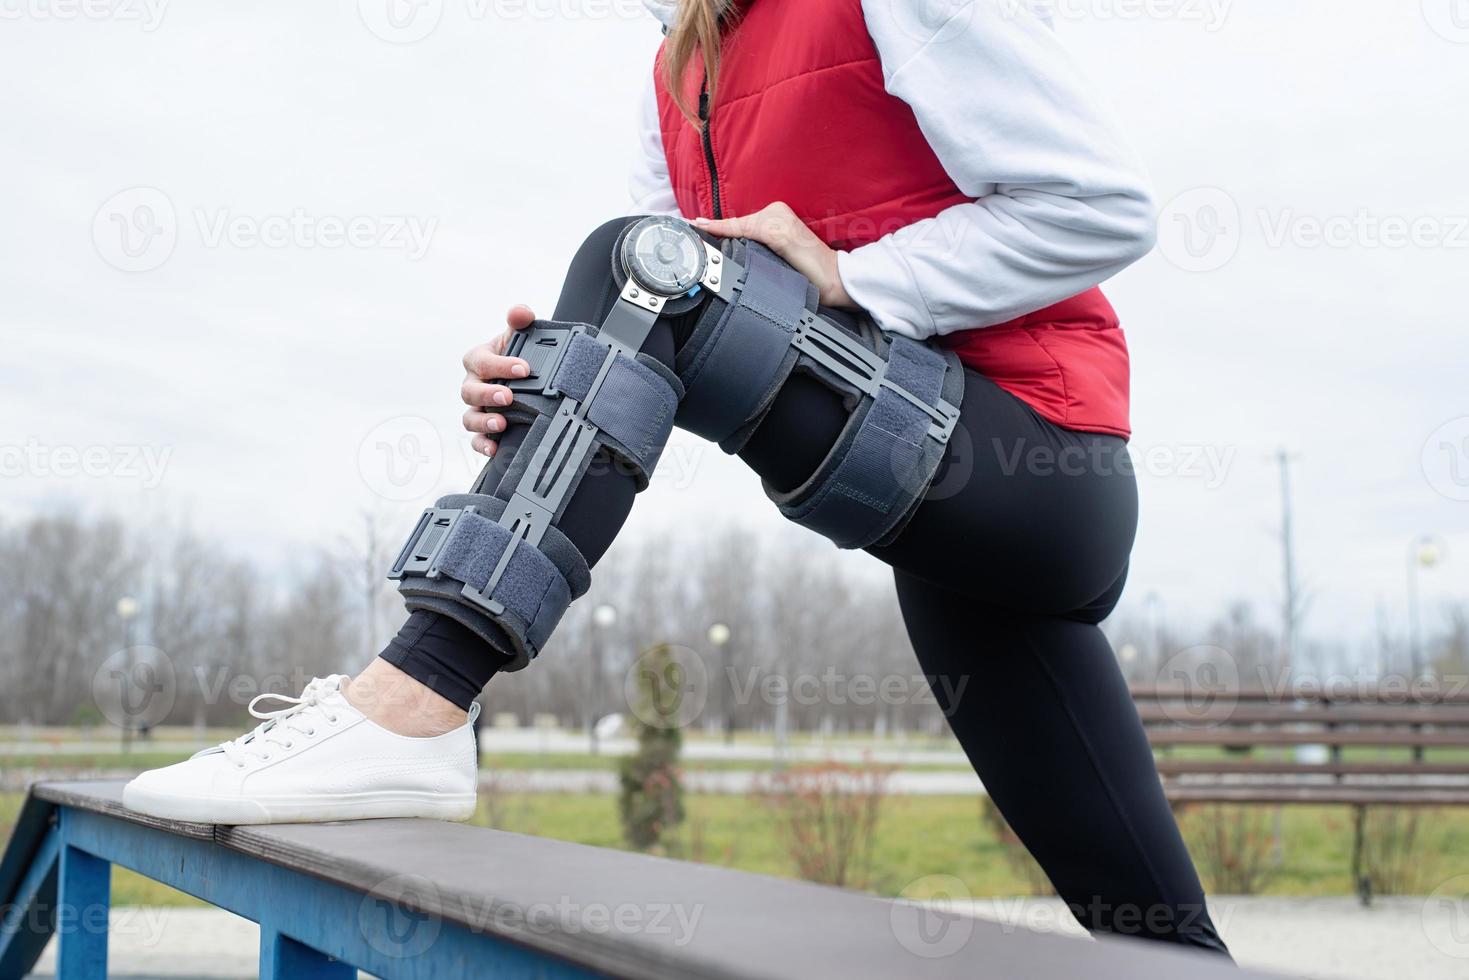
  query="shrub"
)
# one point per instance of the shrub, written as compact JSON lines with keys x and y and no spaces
{"x":1232,"y":845}
{"x":651,"y":798}
{"x":1392,"y":850}
{"x":826,"y":815}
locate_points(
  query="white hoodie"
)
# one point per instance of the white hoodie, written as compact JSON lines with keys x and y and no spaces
{"x":1059,"y":201}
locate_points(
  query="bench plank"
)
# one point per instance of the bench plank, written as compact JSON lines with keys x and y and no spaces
{"x":545,"y":894}
{"x":1169,"y":766}
{"x":1161,"y":712}
{"x":1385,"y":737}
{"x":1348,"y":795}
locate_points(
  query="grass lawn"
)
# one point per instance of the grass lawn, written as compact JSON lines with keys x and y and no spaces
{"x":917,"y":836}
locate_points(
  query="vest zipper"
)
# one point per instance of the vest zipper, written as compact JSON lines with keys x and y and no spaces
{"x":709,"y":149}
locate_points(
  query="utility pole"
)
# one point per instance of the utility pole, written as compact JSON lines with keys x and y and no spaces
{"x":1289,"y":611}
{"x":1290,"y":608}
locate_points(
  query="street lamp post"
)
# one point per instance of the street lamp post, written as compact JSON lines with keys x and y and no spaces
{"x":719,"y":637}
{"x":603,"y":618}
{"x":1423,"y":551}
{"x":127,"y":611}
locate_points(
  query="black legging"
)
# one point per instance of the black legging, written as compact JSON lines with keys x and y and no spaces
{"x":1002,"y":576}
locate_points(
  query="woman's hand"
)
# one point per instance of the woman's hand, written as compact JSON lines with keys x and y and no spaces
{"x":777,"y":228}
{"x":484,"y":364}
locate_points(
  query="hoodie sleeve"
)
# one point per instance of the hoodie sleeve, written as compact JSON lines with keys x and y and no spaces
{"x":1059,"y":201}
{"x":648,"y":183}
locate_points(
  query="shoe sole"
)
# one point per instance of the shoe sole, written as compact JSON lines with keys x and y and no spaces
{"x":317,"y":808}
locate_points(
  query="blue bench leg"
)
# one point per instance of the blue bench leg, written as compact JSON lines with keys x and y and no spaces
{"x":283,"y":958}
{"x":84,"y":895}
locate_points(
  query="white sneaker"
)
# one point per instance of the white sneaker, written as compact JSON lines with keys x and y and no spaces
{"x":317,"y":759}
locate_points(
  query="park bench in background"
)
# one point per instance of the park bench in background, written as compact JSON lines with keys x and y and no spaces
{"x":1363,"y":749}
{"x":415,"y":898}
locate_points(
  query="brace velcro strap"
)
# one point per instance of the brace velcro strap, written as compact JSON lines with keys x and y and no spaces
{"x":635,"y":406}
{"x":884,"y":462}
{"x":739,"y":368}
{"x":449,"y":559}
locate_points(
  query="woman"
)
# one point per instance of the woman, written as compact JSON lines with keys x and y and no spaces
{"x":951,"y":179}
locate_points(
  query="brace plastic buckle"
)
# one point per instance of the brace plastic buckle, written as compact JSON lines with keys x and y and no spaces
{"x":543,"y":349}
{"x":420,"y":555}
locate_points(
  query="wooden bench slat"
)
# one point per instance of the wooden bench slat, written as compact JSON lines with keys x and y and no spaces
{"x":1169,"y":767}
{"x":1385,"y":737}
{"x":1316,"y":714}
{"x":1343,"y":795}
{"x":1449,"y":693}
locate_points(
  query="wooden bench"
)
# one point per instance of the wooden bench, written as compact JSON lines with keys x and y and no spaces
{"x":414,"y":898}
{"x":1380,"y":749}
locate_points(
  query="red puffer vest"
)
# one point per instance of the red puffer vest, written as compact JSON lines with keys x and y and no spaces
{"x":801,"y":116}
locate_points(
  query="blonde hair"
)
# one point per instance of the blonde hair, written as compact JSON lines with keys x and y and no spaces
{"x":696,"y":30}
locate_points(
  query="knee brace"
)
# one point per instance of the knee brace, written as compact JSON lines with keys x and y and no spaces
{"x":494,"y":560}
{"x":903,"y":396}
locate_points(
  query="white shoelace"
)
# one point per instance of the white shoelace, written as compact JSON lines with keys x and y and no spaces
{"x":280,"y":726}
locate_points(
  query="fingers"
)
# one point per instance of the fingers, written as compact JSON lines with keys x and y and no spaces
{"x":485,"y":361}
{"x":481,"y":394}
{"x":775,"y":225}
{"x":519,"y":317}
{"x":489,"y":423}
{"x":723,"y":227}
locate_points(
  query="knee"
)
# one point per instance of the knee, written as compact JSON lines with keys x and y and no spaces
{"x":596,"y":248}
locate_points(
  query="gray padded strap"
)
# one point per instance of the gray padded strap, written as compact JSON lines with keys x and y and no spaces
{"x":532,"y":588}
{"x":874,"y":475}
{"x":745,"y":361}
{"x":635,"y":405}
{"x":451,"y":554}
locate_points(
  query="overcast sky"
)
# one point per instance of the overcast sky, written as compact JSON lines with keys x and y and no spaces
{"x":244,"y":245}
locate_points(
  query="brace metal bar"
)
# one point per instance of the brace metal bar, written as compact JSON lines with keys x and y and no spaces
{"x":835,"y":350}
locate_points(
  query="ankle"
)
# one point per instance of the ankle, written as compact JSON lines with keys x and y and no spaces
{"x":391,"y":699}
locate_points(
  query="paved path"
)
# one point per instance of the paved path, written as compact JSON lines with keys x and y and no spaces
{"x":1327,"y":938}
{"x":722,"y":781}
{"x":518,"y":740}
{"x":602,"y":781}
